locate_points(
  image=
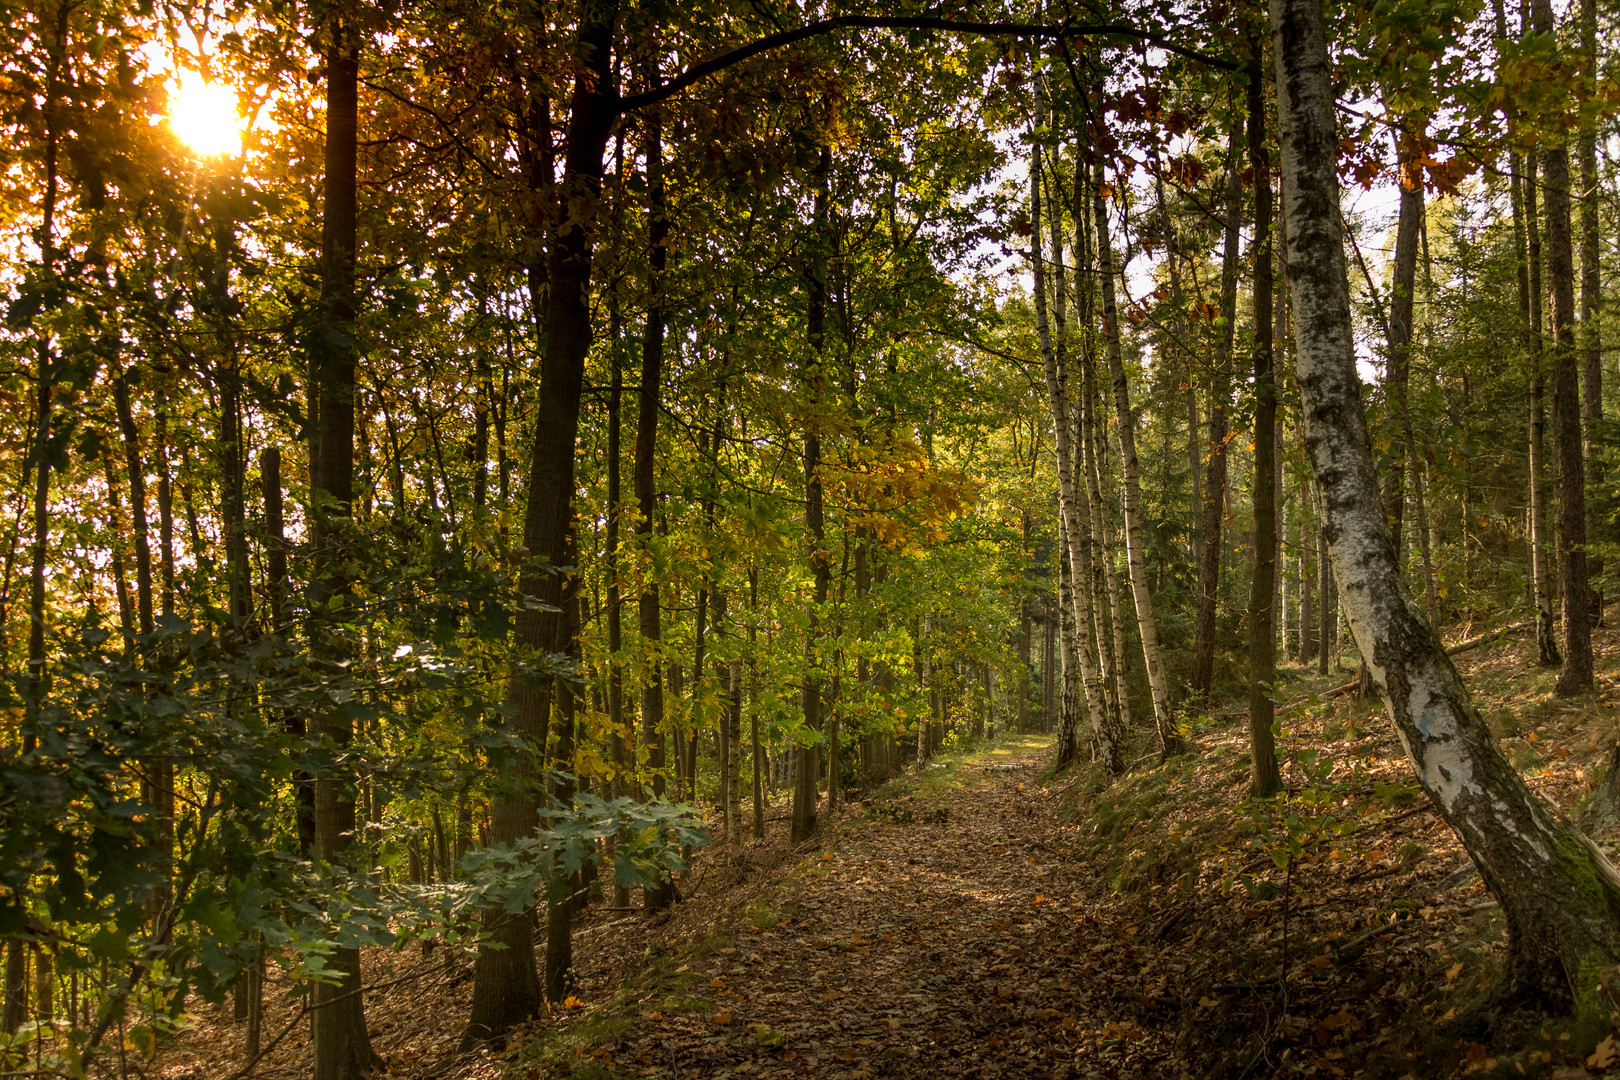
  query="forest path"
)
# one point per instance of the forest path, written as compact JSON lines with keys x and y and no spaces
{"x":933,"y":932}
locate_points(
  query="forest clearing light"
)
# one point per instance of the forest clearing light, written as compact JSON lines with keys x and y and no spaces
{"x":204,"y":115}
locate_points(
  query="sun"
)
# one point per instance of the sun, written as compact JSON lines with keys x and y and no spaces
{"x":204,"y":115}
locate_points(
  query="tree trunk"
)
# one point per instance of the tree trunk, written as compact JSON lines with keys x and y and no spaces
{"x":1262,"y":590}
{"x":506,"y":988}
{"x":560,"y":905}
{"x":753,"y":720}
{"x":342,"y":1046}
{"x":1125,"y":424}
{"x":1068,"y":740}
{"x":1575,"y":677}
{"x":1560,"y":896}
{"x":1591,"y":301}
{"x":805,"y":789}
{"x":1102,"y":599}
{"x":293,"y":722}
{"x":1076,"y":531}
{"x":1307,"y":575}
{"x":1107,"y":602}
{"x":1327,"y":656}
{"x":621,"y":752}
{"x":135,"y":470}
{"x":649,"y":610}
{"x":1214,"y":509}
{"x":1525,"y":199}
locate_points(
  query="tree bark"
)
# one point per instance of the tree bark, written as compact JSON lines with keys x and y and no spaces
{"x":1214,"y":509}
{"x":342,"y":1046}
{"x":1575,"y":677}
{"x":1262,"y":589}
{"x":1560,"y":896}
{"x":806,"y":792}
{"x":1591,"y":305}
{"x":1125,"y":424}
{"x":559,"y":902}
{"x":1076,"y":531}
{"x":506,"y":988}
{"x":649,"y":610}
{"x":1528,"y":230}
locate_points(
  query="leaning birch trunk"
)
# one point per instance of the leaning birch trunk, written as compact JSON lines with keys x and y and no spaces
{"x":1125,"y":424}
{"x":1559,"y":895}
{"x":1078,"y":553}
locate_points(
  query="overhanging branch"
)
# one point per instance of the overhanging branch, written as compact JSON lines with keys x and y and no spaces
{"x":697,"y":72}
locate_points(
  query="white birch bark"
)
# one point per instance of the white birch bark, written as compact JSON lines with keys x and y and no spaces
{"x":1125,"y":425}
{"x":1559,"y":894}
{"x":1075,"y":528}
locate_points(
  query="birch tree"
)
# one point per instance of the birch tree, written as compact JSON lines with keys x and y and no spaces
{"x":1559,"y":894}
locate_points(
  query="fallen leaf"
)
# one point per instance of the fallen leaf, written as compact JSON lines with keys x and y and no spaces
{"x":1606,"y":1054}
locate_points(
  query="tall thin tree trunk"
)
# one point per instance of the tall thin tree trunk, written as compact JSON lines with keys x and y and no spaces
{"x":1327,"y":657}
{"x":1591,"y":304}
{"x":1076,"y":531}
{"x":1125,"y":424}
{"x":560,"y":904}
{"x":806,"y":792}
{"x":275,"y":557}
{"x":755,"y":749}
{"x":1215,"y":481}
{"x":1262,"y":591}
{"x":342,"y":1046}
{"x":1525,"y":200}
{"x":1575,"y":677}
{"x":505,"y":984}
{"x":650,"y":614}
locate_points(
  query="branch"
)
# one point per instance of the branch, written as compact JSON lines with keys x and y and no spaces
{"x":731,"y":58}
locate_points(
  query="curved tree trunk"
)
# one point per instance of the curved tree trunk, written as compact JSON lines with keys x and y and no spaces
{"x":1560,"y":896}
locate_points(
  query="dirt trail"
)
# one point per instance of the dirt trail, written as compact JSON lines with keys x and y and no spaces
{"x":930,"y":930}
{"x":911,"y":943}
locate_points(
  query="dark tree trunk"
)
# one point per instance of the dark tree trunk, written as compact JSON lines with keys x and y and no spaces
{"x":805,"y":790}
{"x":1591,"y":302}
{"x":275,"y":558}
{"x":1209,"y":564}
{"x":649,"y":612}
{"x":559,"y":901}
{"x":1575,"y":677}
{"x":506,"y":988}
{"x":1262,"y":590}
{"x":342,"y":1046}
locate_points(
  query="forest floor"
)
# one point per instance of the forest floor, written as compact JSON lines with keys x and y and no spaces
{"x":983,"y":918}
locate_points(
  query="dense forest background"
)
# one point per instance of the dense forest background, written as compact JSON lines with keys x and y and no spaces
{"x":460,"y":458}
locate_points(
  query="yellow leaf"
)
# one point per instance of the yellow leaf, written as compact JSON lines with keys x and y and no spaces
{"x":1606,"y":1054}
{"x":1453,"y":971}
